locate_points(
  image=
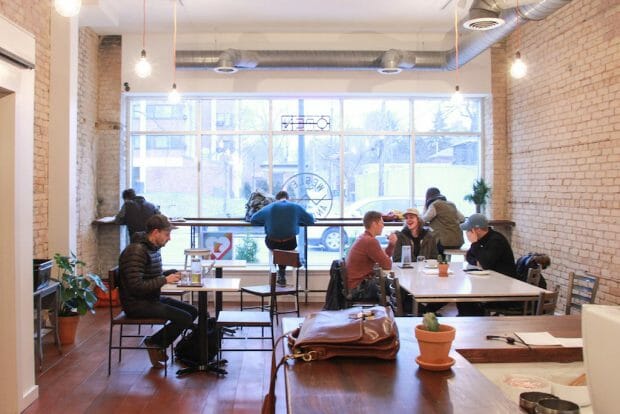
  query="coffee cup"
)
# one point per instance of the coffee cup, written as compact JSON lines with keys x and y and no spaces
{"x":430,"y":263}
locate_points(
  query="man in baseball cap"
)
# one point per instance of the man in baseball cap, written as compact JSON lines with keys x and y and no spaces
{"x":489,"y":250}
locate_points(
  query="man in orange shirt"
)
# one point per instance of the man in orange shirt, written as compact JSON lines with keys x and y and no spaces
{"x":365,"y":252}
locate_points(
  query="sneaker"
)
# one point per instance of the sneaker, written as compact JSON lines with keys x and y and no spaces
{"x":281,"y":281}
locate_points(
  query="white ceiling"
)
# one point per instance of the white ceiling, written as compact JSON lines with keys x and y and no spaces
{"x":274,"y":16}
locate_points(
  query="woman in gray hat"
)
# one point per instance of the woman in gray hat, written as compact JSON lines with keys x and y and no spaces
{"x":444,"y":218}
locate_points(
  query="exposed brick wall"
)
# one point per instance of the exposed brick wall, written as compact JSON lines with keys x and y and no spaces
{"x":34,"y":16}
{"x":563,"y":128}
{"x":86,"y":194}
{"x":110,"y":137}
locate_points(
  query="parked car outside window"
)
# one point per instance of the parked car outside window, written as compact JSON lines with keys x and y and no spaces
{"x":329,"y":237}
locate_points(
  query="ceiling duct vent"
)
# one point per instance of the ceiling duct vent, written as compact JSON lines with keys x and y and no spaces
{"x":483,"y":15}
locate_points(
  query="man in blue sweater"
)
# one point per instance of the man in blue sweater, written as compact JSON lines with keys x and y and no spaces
{"x":282,"y":220}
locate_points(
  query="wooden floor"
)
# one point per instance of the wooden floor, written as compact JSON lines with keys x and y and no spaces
{"x":77,"y":381}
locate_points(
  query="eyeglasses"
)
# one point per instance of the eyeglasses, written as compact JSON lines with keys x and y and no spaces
{"x":508,"y":339}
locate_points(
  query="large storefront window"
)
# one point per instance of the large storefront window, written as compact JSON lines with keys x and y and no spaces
{"x":338,"y":157}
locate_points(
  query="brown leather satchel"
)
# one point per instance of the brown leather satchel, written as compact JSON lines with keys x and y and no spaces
{"x":354,"y":332}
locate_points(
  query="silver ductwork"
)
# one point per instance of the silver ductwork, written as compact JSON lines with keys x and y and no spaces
{"x":387,"y":62}
{"x":483,"y":15}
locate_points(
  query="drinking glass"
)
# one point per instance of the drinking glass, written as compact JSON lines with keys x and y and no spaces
{"x":420,"y":264}
{"x":405,"y":256}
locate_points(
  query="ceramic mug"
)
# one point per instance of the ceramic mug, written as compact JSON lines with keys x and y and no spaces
{"x":432,"y":263}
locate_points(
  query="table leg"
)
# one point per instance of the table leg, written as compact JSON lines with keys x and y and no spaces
{"x":204,"y":364}
{"x":38,"y":341}
{"x":414,"y":309}
{"x":219,"y":273}
{"x":55,"y":314}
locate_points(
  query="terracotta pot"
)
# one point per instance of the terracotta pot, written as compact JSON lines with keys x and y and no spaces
{"x":443,"y":269}
{"x":435,"y":346}
{"x":67,"y":327}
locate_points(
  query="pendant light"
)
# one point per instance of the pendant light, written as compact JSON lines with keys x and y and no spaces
{"x":143,"y":67}
{"x":67,"y":8}
{"x":174,"y":97}
{"x":457,"y":97}
{"x":518,"y":69}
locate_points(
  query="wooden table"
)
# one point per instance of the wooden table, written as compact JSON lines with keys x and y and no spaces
{"x":461,"y":286}
{"x":375,"y":386}
{"x":208,"y":285}
{"x":219,"y":266}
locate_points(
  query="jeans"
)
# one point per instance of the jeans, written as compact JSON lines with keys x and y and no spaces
{"x":290,"y":244}
{"x":180,"y":314}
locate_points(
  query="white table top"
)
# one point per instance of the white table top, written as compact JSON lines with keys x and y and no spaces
{"x":460,"y":284}
{"x":224,"y":263}
{"x":209,"y":284}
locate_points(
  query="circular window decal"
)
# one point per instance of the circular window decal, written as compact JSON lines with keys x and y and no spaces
{"x":311,"y":192}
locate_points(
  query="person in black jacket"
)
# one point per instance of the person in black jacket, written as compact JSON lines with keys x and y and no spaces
{"x":141,"y":279}
{"x":489,"y":250}
{"x":135,"y":212}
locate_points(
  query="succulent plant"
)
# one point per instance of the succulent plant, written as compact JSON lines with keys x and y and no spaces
{"x":430,"y":322}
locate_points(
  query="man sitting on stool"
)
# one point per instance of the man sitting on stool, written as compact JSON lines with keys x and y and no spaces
{"x":282,"y":220}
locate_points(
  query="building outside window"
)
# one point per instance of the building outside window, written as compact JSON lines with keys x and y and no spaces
{"x":339,"y":157}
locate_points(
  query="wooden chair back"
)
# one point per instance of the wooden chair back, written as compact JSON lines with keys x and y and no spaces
{"x":582,"y":288}
{"x":547,"y":302}
{"x":533,"y":275}
{"x":394,"y":298}
{"x":286,"y":258}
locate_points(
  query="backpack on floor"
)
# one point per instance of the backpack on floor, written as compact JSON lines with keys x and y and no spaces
{"x":187,"y":350}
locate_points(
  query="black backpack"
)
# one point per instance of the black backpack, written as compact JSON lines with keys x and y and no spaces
{"x":258,"y":199}
{"x":187,"y":349}
{"x":524,"y":263}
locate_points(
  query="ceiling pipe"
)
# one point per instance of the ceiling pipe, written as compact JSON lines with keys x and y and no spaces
{"x":387,"y":62}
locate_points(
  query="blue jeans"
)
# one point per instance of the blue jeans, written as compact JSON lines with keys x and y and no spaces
{"x":180,"y":314}
{"x":290,"y":244}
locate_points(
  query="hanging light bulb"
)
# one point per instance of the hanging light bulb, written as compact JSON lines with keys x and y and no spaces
{"x":143,"y":67}
{"x":67,"y":8}
{"x":457,"y":97}
{"x":174,"y":97}
{"x":518,"y":68}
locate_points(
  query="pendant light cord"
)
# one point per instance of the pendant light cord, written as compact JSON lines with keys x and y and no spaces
{"x":456,"y":39}
{"x":144,"y":25}
{"x":174,"y":46}
{"x":518,"y":28}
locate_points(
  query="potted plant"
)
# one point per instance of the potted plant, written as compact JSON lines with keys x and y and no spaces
{"x":76,"y":294}
{"x":443,"y":266}
{"x":435,"y":341}
{"x":480,"y":194}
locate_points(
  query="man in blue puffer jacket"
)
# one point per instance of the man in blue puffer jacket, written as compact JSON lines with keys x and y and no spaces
{"x":141,"y":279}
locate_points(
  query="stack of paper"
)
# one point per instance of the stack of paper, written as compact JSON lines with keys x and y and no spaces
{"x":545,"y":338}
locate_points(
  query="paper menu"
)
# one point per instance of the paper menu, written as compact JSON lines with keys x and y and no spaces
{"x":538,"y":338}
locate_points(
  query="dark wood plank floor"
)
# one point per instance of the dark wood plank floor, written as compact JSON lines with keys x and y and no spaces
{"x":77,"y":381}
